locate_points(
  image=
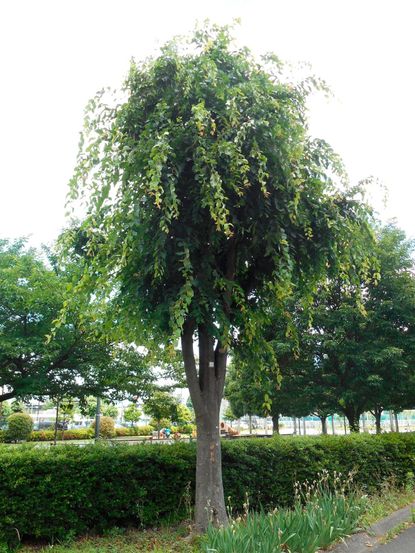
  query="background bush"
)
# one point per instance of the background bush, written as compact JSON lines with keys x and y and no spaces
{"x":106,"y":427}
{"x":53,"y":492}
{"x":184,"y":428}
{"x":19,"y":427}
{"x":74,"y":434}
{"x":144,"y":430}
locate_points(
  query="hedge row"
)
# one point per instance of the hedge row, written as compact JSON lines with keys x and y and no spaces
{"x":54,"y":492}
{"x":80,"y":433}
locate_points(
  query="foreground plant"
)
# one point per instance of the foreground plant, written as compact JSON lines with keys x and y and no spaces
{"x":324,"y":511}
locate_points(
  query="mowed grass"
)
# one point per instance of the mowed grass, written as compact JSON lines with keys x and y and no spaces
{"x":158,"y":540}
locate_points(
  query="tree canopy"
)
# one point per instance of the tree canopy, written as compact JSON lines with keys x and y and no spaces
{"x":77,"y":360}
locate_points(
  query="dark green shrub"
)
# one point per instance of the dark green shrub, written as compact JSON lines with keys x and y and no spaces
{"x":97,"y":487}
{"x":106,"y":427}
{"x":19,"y":427}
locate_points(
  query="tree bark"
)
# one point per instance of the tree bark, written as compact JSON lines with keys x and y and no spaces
{"x":275,"y":424}
{"x":295,"y":426}
{"x":304,"y":427}
{"x":206,"y":391}
{"x":354,"y":423}
{"x":55,"y":436}
{"x":250,"y":423}
{"x":391,"y":421}
{"x":332,"y":425}
{"x":377,"y":413}
{"x":323,"y":425}
{"x":363,"y":422}
{"x":395,"y":415}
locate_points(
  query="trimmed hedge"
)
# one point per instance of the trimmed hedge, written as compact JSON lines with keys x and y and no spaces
{"x":74,"y":434}
{"x":56,"y":492}
{"x":144,"y":430}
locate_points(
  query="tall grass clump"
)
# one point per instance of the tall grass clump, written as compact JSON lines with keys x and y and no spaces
{"x":324,"y":511}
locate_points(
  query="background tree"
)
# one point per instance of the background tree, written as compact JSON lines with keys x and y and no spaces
{"x":159,"y":406}
{"x":208,"y":201}
{"x":183,"y":414}
{"x":77,"y":361}
{"x":132,"y":414}
{"x":364,"y":357}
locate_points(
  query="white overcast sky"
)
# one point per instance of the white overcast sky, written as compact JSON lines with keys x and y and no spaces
{"x":56,"y":54}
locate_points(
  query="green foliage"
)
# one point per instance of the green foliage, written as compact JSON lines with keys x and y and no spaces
{"x":183,"y":415}
{"x":161,"y":405}
{"x":185,"y":429}
{"x":73,"y":359}
{"x":93,"y":488}
{"x":365,"y":358}
{"x":229,"y":415}
{"x":110,"y":410}
{"x":19,"y":427}
{"x":132,"y":413}
{"x":207,"y":171}
{"x":106,"y":427}
{"x":321,"y":515}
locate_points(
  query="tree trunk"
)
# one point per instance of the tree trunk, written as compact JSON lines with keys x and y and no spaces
{"x":377,"y":413}
{"x":344,"y":424}
{"x":323,"y":425}
{"x":332,"y":425}
{"x":250,"y":423}
{"x":55,"y":436}
{"x":395,"y":415}
{"x":206,"y":391}
{"x":295,"y":426}
{"x":304,"y":427}
{"x":391,"y":421}
{"x":353,"y":421}
{"x":275,"y":424}
{"x":299,"y":426}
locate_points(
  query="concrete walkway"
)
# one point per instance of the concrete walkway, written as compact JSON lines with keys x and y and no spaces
{"x":368,"y":541}
{"x":403,"y":543}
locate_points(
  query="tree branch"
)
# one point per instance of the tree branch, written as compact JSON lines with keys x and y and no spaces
{"x":190,"y":364}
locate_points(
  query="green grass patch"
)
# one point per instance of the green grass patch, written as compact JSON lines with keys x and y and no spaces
{"x":390,"y":499}
{"x":158,"y":540}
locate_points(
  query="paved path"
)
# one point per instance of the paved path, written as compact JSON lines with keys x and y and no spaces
{"x":404,"y":543}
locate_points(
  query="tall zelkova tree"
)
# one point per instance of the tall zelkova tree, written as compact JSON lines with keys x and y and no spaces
{"x":207,"y":202}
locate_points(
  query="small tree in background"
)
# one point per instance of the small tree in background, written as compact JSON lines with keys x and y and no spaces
{"x":161,"y":405}
{"x":20,"y":425}
{"x":132,"y":414}
{"x":183,"y":414}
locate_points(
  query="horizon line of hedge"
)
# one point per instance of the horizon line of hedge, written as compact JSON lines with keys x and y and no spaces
{"x":53,"y":493}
